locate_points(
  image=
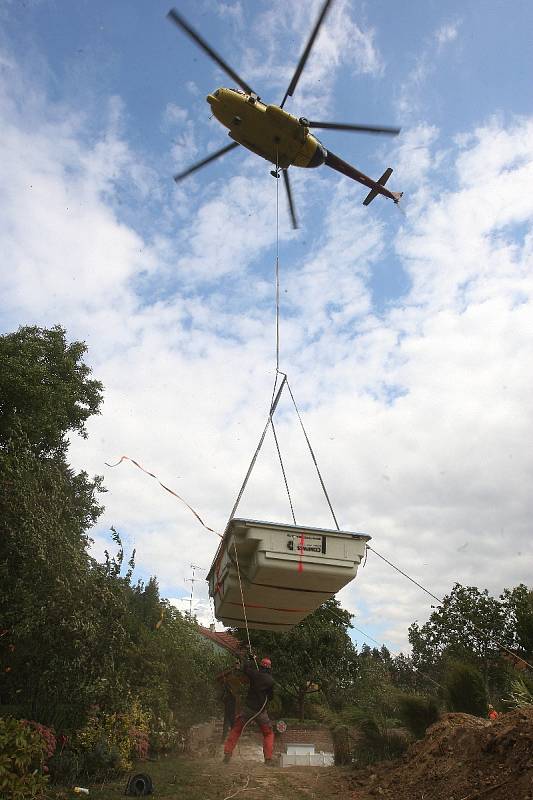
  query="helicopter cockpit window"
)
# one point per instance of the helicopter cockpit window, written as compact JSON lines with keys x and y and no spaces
{"x":216,"y":92}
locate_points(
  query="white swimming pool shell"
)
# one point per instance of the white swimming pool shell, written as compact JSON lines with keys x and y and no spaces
{"x":286,"y":571}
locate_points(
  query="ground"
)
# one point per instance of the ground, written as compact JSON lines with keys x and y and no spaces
{"x":460,"y":758}
{"x":185,"y":778}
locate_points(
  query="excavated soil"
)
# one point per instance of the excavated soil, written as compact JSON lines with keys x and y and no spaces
{"x":460,"y":758}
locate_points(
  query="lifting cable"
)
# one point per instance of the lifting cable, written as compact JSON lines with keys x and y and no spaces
{"x":276,"y":394}
{"x":314,"y":458}
{"x":276,"y":397}
{"x":283,"y":470}
{"x":273,"y":405}
{"x":277,"y":261}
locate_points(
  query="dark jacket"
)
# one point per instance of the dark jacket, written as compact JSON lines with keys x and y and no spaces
{"x":261,"y":686}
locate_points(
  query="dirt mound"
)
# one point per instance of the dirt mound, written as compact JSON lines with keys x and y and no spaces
{"x":460,"y":758}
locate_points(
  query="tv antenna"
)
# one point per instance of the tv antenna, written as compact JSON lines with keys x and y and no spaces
{"x":192,"y":580}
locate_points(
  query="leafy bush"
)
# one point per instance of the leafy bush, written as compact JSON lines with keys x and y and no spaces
{"x":466,"y":690}
{"x":47,"y":735}
{"x":22,"y":752}
{"x":362,"y":738}
{"x":102,"y":758}
{"x":417,"y":713}
{"x":368,"y":746}
{"x":65,"y":766}
{"x":521,"y":694}
{"x":164,"y":737}
{"x":110,"y":742}
{"x":384,"y":746}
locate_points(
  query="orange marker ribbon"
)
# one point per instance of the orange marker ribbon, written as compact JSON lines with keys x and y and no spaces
{"x":170,"y":491}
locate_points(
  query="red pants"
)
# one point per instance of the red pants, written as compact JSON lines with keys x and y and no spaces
{"x":262,"y":721}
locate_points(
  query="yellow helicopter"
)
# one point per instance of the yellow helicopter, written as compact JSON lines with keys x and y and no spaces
{"x":274,"y":134}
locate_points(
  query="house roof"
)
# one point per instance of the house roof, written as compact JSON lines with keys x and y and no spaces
{"x":223,"y":639}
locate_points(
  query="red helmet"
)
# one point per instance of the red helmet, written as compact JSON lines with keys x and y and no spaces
{"x":266,"y":662}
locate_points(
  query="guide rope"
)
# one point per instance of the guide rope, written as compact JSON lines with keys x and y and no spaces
{"x":166,"y":488}
{"x":242,"y":594}
{"x":441,"y":602}
{"x":243,"y":788}
{"x":380,"y":644}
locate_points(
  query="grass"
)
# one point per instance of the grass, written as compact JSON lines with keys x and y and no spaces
{"x":173,"y":777}
{"x":178,"y":777}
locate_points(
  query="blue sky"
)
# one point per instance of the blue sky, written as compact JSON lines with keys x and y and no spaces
{"x":407,"y":336}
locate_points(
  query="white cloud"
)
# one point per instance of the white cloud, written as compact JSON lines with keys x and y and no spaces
{"x":408,"y":102}
{"x":447,"y":33}
{"x":280,"y":35}
{"x":202,"y":611}
{"x":419,"y":416}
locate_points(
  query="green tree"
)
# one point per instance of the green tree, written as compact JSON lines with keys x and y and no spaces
{"x":317,"y":651}
{"x":518,"y":609}
{"x":417,"y":712}
{"x":74,"y":632}
{"x":45,"y":511}
{"x":45,"y":388}
{"x":466,"y":689}
{"x":466,"y":627}
{"x":44,"y":569}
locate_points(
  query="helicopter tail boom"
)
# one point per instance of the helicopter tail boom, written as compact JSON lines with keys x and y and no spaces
{"x":374,"y":192}
{"x":376,"y":187}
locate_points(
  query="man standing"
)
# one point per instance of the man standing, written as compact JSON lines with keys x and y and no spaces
{"x":229,"y":702}
{"x":260,"y":692}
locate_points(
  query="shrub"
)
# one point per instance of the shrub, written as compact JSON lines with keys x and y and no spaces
{"x":65,"y":766}
{"x":521,"y":694}
{"x":47,"y":735}
{"x":466,"y":690}
{"x":141,"y":743}
{"x":110,"y":742}
{"x":378,"y":742}
{"x":417,"y":713}
{"x":164,"y":737}
{"x":362,"y":738}
{"x":22,"y":751}
{"x":103,"y":758}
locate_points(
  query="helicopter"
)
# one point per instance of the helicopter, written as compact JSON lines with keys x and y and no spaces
{"x":272,"y":133}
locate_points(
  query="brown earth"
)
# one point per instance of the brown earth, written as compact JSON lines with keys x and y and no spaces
{"x":460,"y":758}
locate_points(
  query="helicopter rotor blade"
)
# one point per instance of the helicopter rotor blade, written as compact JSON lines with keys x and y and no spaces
{"x":305,"y":54}
{"x":179,"y":177}
{"x":178,"y":20}
{"x":342,"y":126}
{"x":290,"y":198}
